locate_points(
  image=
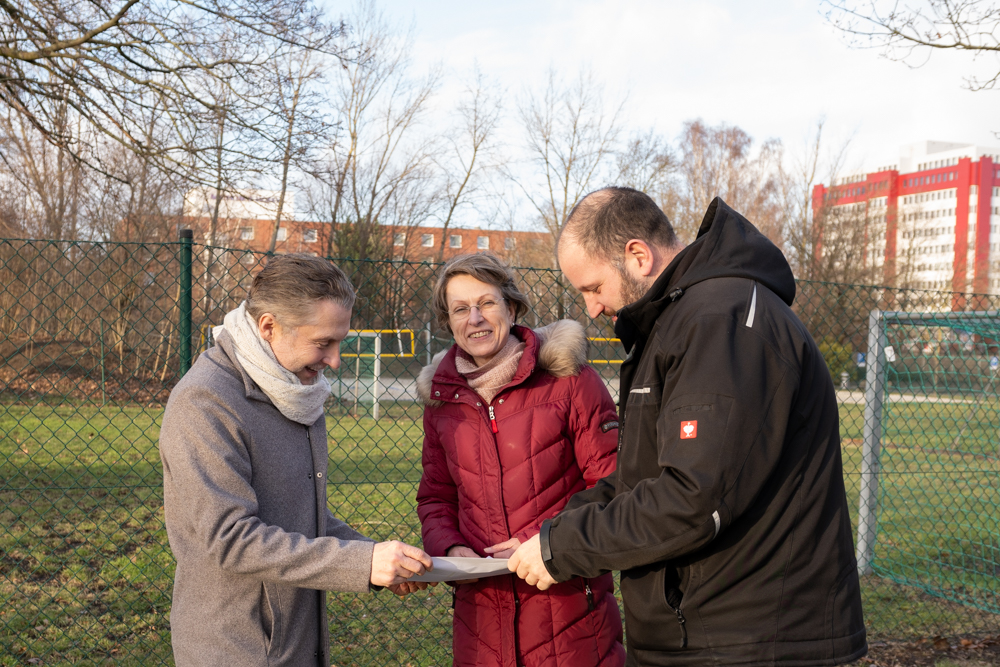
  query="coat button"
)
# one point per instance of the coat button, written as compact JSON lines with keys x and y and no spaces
{"x":478,"y":404}
{"x":501,"y":400}
{"x":319,"y":475}
{"x":437,"y":393}
{"x":456,"y":395}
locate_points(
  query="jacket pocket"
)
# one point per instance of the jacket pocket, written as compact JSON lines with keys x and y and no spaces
{"x":268,"y":619}
{"x":651,"y":623}
{"x":638,"y":435}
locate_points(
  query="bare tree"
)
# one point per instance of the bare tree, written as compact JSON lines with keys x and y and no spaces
{"x":469,"y":156}
{"x":136,"y":202}
{"x":720,"y":162}
{"x":798,"y":180}
{"x":847,"y":242}
{"x":915,"y":30}
{"x":647,"y":163}
{"x":376,"y":154}
{"x":50,"y":183}
{"x":297,"y":114}
{"x":571,"y":139}
{"x":110,"y":60}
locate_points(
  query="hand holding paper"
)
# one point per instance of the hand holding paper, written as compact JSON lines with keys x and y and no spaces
{"x":395,"y":562}
{"x":504,"y":549}
{"x":528,"y":564}
{"x":462,"y":552}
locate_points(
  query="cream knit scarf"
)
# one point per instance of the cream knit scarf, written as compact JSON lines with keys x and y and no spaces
{"x":302,"y":403}
{"x":490,"y":378}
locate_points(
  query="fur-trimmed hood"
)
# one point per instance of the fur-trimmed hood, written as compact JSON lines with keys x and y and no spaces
{"x":562,"y":350}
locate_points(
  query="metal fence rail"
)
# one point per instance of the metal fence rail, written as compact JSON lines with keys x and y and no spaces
{"x":94,"y":335}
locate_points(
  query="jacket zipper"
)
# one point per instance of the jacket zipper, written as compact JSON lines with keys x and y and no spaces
{"x":674,"y":602}
{"x":493,"y":421}
{"x":496,"y":448}
{"x":590,"y":596}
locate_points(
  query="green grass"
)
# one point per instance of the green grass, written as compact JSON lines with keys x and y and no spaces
{"x":85,"y":572}
{"x":938,"y":542}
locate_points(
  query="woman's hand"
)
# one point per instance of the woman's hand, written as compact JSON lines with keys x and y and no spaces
{"x":462,"y":552}
{"x":504,"y":549}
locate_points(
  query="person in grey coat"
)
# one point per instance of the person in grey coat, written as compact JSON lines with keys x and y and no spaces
{"x":244,"y":452}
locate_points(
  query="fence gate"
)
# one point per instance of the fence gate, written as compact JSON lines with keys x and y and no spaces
{"x":929,"y":502}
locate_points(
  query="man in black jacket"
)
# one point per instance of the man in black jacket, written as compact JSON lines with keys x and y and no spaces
{"x":727,"y":514}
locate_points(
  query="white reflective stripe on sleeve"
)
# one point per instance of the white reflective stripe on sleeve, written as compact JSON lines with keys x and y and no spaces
{"x":640,"y":390}
{"x":718,"y":523}
{"x":753,"y":306}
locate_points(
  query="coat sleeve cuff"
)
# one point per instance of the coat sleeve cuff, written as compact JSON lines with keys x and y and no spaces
{"x":543,"y":539}
{"x":545,"y":545}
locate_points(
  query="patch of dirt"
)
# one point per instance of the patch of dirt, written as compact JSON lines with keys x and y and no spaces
{"x":935,"y":652}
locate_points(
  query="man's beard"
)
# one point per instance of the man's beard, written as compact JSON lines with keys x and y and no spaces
{"x":632,"y":289}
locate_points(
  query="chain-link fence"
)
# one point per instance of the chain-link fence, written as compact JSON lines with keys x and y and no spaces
{"x":94,"y":335}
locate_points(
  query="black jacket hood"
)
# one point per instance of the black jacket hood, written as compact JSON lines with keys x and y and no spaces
{"x":727,"y":246}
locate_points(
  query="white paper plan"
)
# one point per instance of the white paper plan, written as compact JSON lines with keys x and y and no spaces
{"x":456,"y":569}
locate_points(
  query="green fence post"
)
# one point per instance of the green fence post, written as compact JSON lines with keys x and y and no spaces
{"x":184,"y":307}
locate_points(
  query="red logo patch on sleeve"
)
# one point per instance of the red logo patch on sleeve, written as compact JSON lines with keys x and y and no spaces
{"x":689,"y":430}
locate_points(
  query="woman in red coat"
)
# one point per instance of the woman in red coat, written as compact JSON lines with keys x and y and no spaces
{"x":515,"y":423}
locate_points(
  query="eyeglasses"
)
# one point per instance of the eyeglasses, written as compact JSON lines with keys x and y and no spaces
{"x":484,"y":307}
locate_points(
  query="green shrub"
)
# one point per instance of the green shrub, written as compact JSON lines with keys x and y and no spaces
{"x":838,"y":358}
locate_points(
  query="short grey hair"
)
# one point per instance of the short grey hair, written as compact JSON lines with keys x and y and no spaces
{"x":290,"y":285}
{"x":484,"y":267}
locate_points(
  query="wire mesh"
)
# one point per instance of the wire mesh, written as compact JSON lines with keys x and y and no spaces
{"x":92,"y":337}
{"x":942,"y":534}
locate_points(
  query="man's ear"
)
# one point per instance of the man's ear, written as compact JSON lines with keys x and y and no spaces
{"x":265,"y":326}
{"x":639,"y":255}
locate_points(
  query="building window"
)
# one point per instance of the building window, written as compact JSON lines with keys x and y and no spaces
{"x":282,"y":233}
{"x":399,"y":239}
{"x":455,"y":241}
{"x":508,"y":243}
{"x":310,"y":236}
{"x":246,"y":233}
{"x":427,"y":240}
{"x":483,"y":243}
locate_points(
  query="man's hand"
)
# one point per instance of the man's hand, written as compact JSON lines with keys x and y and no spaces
{"x":504,"y":549}
{"x":407,"y":587}
{"x":462,"y":552}
{"x":527,"y":563}
{"x":395,"y":562}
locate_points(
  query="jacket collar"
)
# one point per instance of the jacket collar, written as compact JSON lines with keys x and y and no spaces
{"x":559,"y":348}
{"x":636,"y":320}
{"x":728,"y":246}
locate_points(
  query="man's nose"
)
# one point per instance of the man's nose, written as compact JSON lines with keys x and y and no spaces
{"x":332,"y":359}
{"x":594,"y":309}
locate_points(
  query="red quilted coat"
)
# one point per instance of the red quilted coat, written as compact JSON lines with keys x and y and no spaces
{"x":553,"y":432}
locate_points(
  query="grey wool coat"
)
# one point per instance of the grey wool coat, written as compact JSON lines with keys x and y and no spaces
{"x":244,"y":492}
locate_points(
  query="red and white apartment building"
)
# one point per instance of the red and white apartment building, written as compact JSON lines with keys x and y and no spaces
{"x":939,"y":208}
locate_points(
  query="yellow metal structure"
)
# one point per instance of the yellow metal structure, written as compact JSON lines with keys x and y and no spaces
{"x":604,"y":361}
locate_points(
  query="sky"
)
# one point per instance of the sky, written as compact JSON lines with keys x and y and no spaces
{"x":773,"y":69}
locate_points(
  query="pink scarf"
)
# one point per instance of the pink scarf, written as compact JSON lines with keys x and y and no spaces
{"x":488,"y":379}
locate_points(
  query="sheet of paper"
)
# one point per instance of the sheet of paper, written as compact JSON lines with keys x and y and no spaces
{"x":456,"y":569}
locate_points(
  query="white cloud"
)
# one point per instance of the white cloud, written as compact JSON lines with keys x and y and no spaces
{"x":771,"y":68}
